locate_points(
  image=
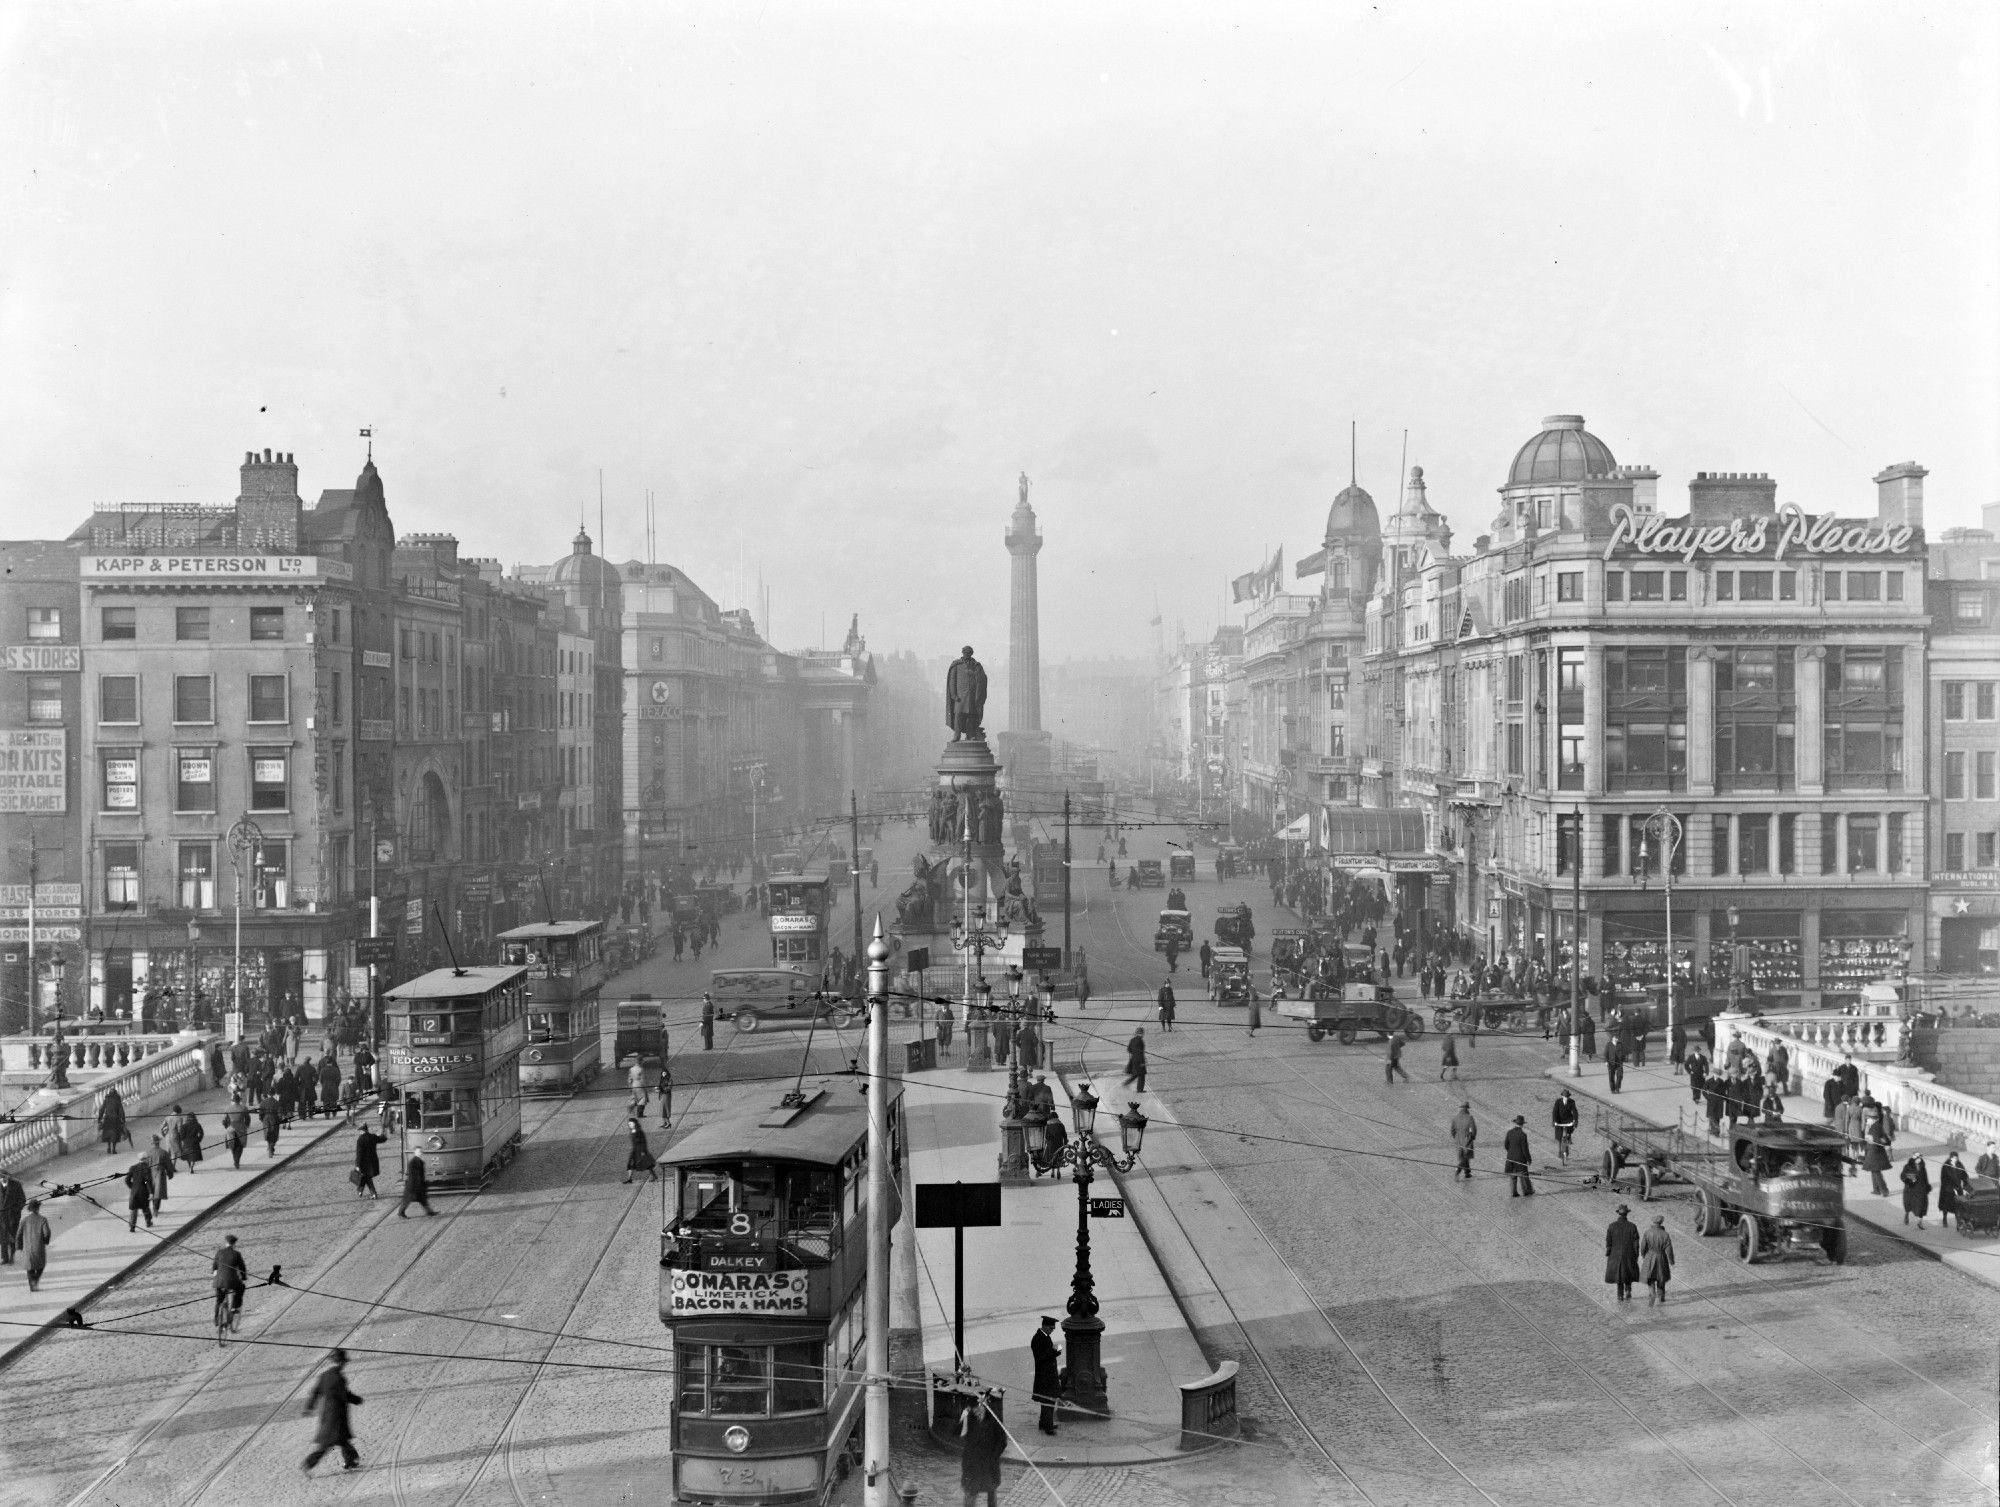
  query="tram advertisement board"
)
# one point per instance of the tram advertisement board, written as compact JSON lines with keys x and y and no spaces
{"x":698,"y":1293}
{"x":402,"y":1059}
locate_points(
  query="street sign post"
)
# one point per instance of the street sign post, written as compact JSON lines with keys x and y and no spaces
{"x":954,"y":1206}
{"x":372,"y":950}
{"x":1042,"y":958}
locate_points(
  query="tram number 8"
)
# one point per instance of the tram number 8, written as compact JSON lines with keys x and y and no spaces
{"x":739,"y":1224}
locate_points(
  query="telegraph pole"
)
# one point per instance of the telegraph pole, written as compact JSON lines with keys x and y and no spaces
{"x":1067,"y":960}
{"x":875,"y":1407}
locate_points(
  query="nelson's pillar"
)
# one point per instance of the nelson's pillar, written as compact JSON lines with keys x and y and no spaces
{"x":1024,"y":747}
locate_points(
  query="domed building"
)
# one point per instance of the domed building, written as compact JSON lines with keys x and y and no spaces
{"x":1352,"y":546}
{"x":1544,"y":486}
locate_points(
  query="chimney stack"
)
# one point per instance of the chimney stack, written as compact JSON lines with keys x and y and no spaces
{"x":1899,"y":495}
{"x":268,"y":507}
{"x":1719,"y":496}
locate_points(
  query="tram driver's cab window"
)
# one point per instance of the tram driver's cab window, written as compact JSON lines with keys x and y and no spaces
{"x":548,"y":1025}
{"x":751,"y":1381}
{"x":428,"y":1109}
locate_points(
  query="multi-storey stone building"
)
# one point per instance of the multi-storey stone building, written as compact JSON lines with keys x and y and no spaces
{"x":41,"y":785}
{"x":1754,"y":671}
{"x":1964,"y":600}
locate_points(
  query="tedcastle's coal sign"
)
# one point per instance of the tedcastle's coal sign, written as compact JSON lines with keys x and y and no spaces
{"x":694,"y":1294}
{"x":1649,"y":534}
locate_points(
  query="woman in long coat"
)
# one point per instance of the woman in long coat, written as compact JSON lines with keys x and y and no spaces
{"x":640,"y":1157}
{"x":111,"y":1127}
{"x":1953,"y":1183}
{"x":1656,"y":1260}
{"x":307,"y":1079}
{"x":1916,"y":1190}
{"x":188,"y":1137}
{"x":1621,"y":1253}
{"x":35,"y":1237}
{"x":329,"y":1083}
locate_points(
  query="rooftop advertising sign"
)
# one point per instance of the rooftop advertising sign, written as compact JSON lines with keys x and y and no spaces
{"x":214,"y":568}
{"x":1791,"y":528}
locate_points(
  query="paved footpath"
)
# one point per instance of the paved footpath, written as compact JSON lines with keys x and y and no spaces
{"x":92,"y":1249}
{"x":1658,"y":1095}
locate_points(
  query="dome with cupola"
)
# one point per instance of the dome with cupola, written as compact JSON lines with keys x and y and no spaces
{"x":1563,"y":452}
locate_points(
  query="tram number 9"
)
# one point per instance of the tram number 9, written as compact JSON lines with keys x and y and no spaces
{"x":739,"y":1225}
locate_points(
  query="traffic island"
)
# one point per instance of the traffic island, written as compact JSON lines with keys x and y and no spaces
{"x":1021,"y":1270}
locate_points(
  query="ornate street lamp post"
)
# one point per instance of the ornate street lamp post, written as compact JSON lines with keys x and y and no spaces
{"x":1735,"y":975}
{"x":246,"y":842}
{"x":1013,"y":1132}
{"x":1663,"y":836}
{"x":1083,"y":1331}
{"x":972,"y":932}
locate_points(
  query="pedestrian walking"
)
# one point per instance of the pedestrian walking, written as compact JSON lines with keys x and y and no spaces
{"x":216,"y":1065}
{"x":1166,"y":1006}
{"x":1916,"y":1189}
{"x":271,"y":1114}
{"x":138,"y":1195}
{"x":944,"y":1024}
{"x":1207,"y":956}
{"x":13,"y":1204}
{"x":1519,"y":1159}
{"x":306,"y":1086}
{"x":1255,"y":1008}
{"x":1656,"y":1260}
{"x":35,"y":1237}
{"x":1677,"y":1045}
{"x":1448,"y":1056}
{"x":367,"y":1163}
{"x":186,"y":1138}
{"x":1953,"y":1184}
{"x":1621,"y":1253}
{"x":1048,"y":1380}
{"x":636,"y":1081}
{"x":1135,"y":1059}
{"x":331,"y":1397}
{"x":1394,"y":1065}
{"x":364,"y":1071}
{"x":329,"y":1083}
{"x":1562,"y":1118}
{"x":1589,"y":1036}
{"x":1697,"y":1071}
{"x":979,"y":1456}
{"x":160,"y":1162}
{"x":236,"y":1129}
{"x":1173,"y":956}
{"x":1464,"y":1136}
{"x":1614,"y":1062}
{"x":416,"y":1187}
{"x":639,"y":1158}
{"x":111,"y":1127}
{"x":707,"y":1022}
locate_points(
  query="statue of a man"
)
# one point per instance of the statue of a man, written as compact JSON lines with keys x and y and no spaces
{"x":965,"y":697}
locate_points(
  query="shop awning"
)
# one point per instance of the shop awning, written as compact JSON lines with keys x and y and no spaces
{"x":1357,"y":829}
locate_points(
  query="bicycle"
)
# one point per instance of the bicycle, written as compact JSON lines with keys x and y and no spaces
{"x":228,"y":1312}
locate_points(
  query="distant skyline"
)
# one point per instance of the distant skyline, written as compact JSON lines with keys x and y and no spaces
{"x":826,"y":280}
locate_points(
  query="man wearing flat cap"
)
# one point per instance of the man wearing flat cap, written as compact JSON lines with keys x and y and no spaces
{"x":1621,"y":1254}
{"x":1515,"y":1146}
{"x":1048,"y":1381}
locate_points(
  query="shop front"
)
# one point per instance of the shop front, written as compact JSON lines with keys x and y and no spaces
{"x":1858,"y":947}
{"x":1966,"y":908}
{"x":1773,"y":943}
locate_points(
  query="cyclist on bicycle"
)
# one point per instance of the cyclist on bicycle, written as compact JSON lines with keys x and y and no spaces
{"x":232,"y":1274}
{"x":1563,"y":1117}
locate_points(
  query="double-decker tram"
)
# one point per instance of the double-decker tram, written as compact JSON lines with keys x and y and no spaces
{"x":453,"y":1059}
{"x":566,"y":972}
{"x":763,"y":1277}
{"x":800,"y":906}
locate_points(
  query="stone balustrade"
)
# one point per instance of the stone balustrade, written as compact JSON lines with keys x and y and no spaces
{"x":37,"y":1054}
{"x":177,"y":1067}
{"x":1877,"y":1038}
{"x":1922,"y":1106}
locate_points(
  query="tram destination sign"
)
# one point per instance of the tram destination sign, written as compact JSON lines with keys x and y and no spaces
{"x":693,"y":1294}
{"x":783,"y":921}
{"x":403,"y":1059}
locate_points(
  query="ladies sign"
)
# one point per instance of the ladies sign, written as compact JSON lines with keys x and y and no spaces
{"x":1650,"y":534}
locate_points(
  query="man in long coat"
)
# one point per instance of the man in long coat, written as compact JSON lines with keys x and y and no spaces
{"x":271,"y":1114}
{"x":1916,"y":1190}
{"x":1135,"y":1059}
{"x":306,"y":1085}
{"x":1621,"y":1253}
{"x":1048,"y":1380}
{"x":138,"y":1194}
{"x":1167,"y":1004}
{"x":329,"y":1084}
{"x":1656,"y":1260}
{"x":331,"y":1397}
{"x":161,"y":1162}
{"x":236,"y":1129}
{"x":1464,"y":1136}
{"x":1515,"y":1147}
{"x":187,"y":1137}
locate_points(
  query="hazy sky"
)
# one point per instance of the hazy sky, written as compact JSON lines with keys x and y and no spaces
{"x":827,"y":277}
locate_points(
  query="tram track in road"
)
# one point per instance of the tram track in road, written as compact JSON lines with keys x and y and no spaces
{"x":236,"y":1355}
{"x":1748,"y":1326}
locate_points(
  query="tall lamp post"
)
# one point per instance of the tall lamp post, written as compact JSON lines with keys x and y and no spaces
{"x":971,"y":932}
{"x":1083,"y":1330}
{"x":1735,"y":975}
{"x":1663,"y":836}
{"x":246,"y":842}
{"x":1013,"y":1131}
